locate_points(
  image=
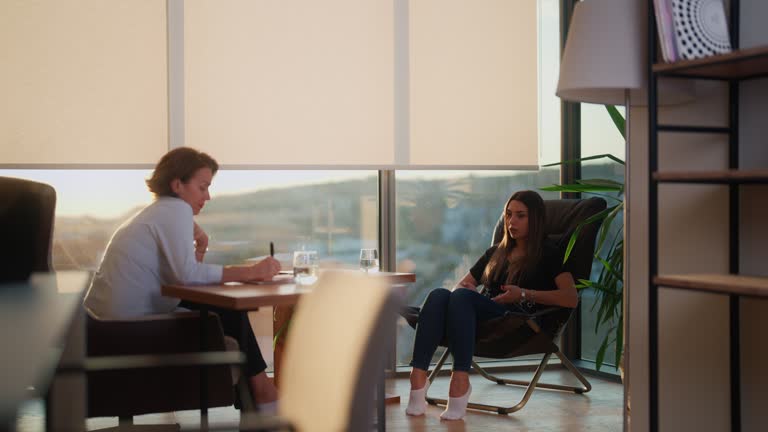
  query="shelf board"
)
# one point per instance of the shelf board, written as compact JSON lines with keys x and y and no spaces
{"x":752,"y":286}
{"x":723,"y":176}
{"x":735,"y":65}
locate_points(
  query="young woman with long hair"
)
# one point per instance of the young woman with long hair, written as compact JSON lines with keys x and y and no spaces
{"x":523,"y":271}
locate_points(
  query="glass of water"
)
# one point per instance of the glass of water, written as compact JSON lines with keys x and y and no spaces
{"x":305,"y":267}
{"x":369,"y":259}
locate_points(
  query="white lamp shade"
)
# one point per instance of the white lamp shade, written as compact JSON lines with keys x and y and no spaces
{"x":603,"y":54}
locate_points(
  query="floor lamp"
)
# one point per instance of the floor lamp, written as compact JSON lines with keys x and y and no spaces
{"x":603,"y":63}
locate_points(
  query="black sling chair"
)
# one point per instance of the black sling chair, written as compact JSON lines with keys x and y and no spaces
{"x":508,"y":336}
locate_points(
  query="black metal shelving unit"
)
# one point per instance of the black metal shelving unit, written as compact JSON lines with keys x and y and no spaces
{"x":733,"y":68}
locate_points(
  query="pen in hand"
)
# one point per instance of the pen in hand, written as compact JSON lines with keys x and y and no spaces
{"x":271,"y":249}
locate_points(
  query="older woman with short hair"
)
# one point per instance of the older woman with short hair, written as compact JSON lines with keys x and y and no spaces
{"x":162,"y":245}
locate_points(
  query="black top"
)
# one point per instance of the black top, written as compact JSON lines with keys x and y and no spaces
{"x":541,"y":279}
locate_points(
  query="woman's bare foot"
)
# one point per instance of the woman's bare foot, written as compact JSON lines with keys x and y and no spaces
{"x":418,"y":378}
{"x":417,"y":403}
{"x":263,"y":389}
{"x":459,"y":384}
{"x":458,"y":397}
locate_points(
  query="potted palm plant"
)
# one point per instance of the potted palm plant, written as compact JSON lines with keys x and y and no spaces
{"x":608,"y":285}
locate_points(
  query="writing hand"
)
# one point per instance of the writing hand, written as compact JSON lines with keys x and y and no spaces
{"x":266,"y":269}
{"x":201,"y":242}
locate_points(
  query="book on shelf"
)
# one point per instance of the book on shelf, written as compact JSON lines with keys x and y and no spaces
{"x":700,"y":28}
{"x":665,"y":25}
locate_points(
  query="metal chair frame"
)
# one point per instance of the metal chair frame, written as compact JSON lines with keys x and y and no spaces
{"x":530,"y":385}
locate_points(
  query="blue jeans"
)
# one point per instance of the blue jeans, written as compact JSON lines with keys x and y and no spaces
{"x":452,"y":314}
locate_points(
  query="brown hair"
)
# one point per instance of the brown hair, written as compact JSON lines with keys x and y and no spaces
{"x":500,"y":261}
{"x":180,"y":163}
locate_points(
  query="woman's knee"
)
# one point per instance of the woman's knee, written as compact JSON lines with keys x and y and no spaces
{"x":438,"y":296}
{"x":463,"y":295}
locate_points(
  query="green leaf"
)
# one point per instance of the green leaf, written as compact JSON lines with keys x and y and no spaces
{"x":619,"y":341}
{"x":610,"y":268}
{"x":600,"y":156}
{"x":601,"y":354}
{"x":600,"y":182}
{"x":575,"y":187}
{"x":575,"y":234}
{"x":617,"y":118}
{"x":283,"y":329}
{"x":571,"y":243}
{"x":606,"y":226}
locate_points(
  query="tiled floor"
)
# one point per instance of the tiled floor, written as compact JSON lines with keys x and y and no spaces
{"x":596,"y":411}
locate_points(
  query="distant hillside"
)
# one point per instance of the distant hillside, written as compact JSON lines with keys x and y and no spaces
{"x":452,"y":215}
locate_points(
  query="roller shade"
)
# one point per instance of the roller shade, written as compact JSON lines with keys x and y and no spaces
{"x":290,"y":82}
{"x":83,"y":81}
{"x":308,"y":83}
{"x":358,"y":84}
{"x":474,"y":83}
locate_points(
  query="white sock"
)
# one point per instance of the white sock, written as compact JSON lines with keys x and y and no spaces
{"x":268,"y":408}
{"x":417,"y":402}
{"x":457,"y":406}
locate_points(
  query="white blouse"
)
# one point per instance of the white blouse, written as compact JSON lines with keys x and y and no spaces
{"x":153,"y":248}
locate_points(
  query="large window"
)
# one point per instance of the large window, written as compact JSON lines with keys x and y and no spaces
{"x":443,"y":98}
{"x":599,"y":136}
{"x":445,"y":219}
{"x":333,"y":212}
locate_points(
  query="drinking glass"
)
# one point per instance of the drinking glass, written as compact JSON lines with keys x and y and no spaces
{"x":369,"y":259}
{"x":305,"y":267}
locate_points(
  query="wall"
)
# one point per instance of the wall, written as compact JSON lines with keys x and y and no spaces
{"x":754,"y":214}
{"x":693,"y":327}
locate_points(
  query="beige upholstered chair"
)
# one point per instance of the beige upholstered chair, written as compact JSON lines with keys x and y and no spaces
{"x":339,"y":339}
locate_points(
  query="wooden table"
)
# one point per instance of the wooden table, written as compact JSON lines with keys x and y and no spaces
{"x":281,"y":293}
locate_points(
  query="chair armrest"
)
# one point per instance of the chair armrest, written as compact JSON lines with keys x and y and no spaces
{"x":154,"y":334}
{"x":538,"y":313}
{"x":262,"y":423}
{"x":562,"y":314}
{"x":154,"y":317}
{"x":145,"y":361}
{"x":411,"y":315}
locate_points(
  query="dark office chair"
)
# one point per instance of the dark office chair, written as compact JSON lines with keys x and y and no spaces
{"x":129,"y":390}
{"x":27,"y":209}
{"x":520,"y":335}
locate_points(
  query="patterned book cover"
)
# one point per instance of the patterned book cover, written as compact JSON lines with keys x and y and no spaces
{"x":701,"y":28}
{"x":666,"y":28}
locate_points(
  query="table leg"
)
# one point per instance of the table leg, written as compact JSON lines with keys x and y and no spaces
{"x":244,"y":388}
{"x":203,"y":369}
{"x":282,"y":319}
{"x":381,"y":420}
